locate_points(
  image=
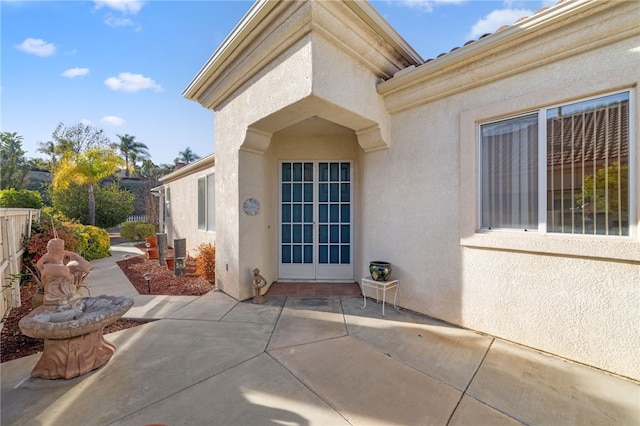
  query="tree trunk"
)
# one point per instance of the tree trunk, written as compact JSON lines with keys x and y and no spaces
{"x":92,"y":206}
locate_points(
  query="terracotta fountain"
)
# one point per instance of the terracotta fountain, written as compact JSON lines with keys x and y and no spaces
{"x":71,"y":325}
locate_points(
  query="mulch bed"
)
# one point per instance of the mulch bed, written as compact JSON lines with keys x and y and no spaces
{"x":14,"y":344}
{"x":162,"y":280}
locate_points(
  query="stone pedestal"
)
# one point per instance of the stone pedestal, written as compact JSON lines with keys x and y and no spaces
{"x":69,"y":358}
{"x":73,"y":339}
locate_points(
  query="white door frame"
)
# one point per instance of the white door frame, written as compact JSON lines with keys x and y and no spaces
{"x":315,"y":217}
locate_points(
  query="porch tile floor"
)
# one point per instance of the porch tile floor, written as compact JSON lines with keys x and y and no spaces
{"x":310,"y":360}
{"x":304,"y":289}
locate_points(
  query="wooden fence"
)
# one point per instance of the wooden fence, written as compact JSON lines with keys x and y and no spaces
{"x":15,"y":224}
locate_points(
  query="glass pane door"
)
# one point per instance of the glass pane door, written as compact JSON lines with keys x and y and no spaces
{"x":315,"y":221}
{"x":334,"y":221}
{"x":296,"y":221}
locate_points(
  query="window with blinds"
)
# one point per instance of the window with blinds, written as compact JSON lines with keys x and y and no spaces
{"x":202,"y":204}
{"x":586,"y":150}
{"x":509,"y":173}
{"x":588,"y":167}
{"x":206,"y":203}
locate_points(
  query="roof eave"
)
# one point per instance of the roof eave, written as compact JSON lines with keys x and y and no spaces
{"x":248,"y":22}
{"x":483,"y":45}
{"x":203,"y":163}
{"x":372,"y":17}
{"x":260,"y":10}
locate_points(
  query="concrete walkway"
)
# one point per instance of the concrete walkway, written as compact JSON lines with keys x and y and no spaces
{"x":211,"y":360}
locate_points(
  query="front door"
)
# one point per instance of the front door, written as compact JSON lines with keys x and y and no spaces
{"x":316,"y":227}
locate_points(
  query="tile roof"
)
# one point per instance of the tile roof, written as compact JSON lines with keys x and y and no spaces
{"x":594,"y":136}
{"x":502,"y":28}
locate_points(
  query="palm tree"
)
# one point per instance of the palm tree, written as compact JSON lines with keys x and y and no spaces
{"x":131,"y":150}
{"x":54,"y":152}
{"x":134,"y":158}
{"x":86,"y":168}
{"x":48,"y":148}
{"x":187,"y":156}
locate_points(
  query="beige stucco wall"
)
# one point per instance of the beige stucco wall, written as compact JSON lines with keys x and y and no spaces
{"x":252,"y":136}
{"x":577,"y":297}
{"x":413,"y":143}
{"x":183,"y":208}
{"x":241,"y":173}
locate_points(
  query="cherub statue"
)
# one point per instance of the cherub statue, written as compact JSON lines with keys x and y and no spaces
{"x":61,"y":271}
{"x":258,"y":284}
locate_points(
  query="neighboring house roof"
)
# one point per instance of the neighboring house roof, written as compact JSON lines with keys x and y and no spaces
{"x":199,"y":165}
{"x":584,"y":136}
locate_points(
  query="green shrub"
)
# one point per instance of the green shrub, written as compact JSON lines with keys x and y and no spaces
{"x":113,"y":204}
{"x":136,"y":231}
{"x":20,"y":198}
{"x":93,"y":242}
{"x":48,"y":213}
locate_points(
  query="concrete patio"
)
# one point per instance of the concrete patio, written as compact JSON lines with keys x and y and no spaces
{"x":301,"y":361}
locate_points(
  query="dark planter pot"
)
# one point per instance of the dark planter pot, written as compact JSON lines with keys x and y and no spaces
{"x":151,"y":241}
{"x":380,"y":271}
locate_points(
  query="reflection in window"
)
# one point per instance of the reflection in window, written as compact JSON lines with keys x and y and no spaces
{"x":588,"y":167}
{"x":586,"y":151}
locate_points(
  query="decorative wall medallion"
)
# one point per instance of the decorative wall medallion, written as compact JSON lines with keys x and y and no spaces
{"x":251,"y":206}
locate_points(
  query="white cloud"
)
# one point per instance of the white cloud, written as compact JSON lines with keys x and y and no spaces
{"x":112,"y":120}
{"x":124,"y":7}
{"x":75,"y":72}
{"x":424,"y":5}
{"x":127,"y":82}
{"x":495,"y":20}
{"x":86,"y":122}
{"x":130,"y":7}
{"x":114,"y":21}
{"x":37,"y":46}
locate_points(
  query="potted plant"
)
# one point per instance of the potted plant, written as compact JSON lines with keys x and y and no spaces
{"x":380,"y":270}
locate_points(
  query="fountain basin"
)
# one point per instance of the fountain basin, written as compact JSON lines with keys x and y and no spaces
{"x":73,"y":338}
{"x":93,"y":313}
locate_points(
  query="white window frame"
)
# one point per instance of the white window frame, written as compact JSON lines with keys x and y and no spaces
{"x":208,"y":224}
{"x":542,"y":168}
{"x":167,"y":201}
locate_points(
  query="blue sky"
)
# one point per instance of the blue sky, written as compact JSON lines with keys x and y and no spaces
{"x":122,"y":66}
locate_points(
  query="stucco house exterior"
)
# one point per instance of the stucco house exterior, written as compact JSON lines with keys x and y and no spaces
{"x":191,"y":189}
{"x":501,"y":180}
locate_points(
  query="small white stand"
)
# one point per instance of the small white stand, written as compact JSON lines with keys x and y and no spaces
{"x":379,"y":286}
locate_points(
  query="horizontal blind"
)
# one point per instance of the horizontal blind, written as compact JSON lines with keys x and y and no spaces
{"x":509,"y":173}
